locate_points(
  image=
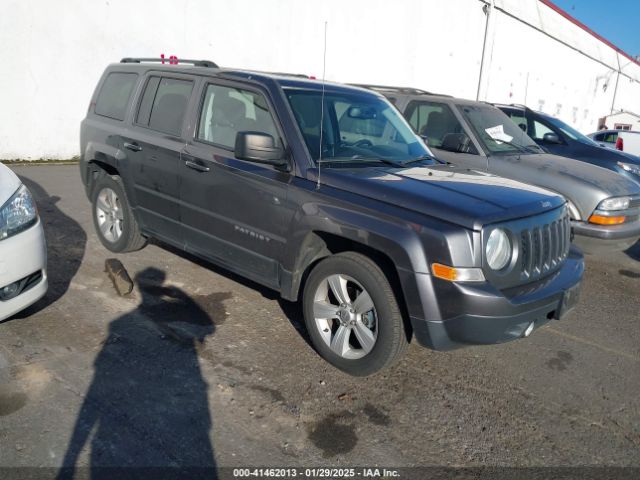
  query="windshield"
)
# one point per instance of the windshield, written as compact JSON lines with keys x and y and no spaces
{"x":569,"y":131}
{"x":357,"y":128}
{"x":496,"y":131}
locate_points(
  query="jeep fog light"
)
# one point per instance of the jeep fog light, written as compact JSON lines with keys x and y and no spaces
{"x":498,"y":251}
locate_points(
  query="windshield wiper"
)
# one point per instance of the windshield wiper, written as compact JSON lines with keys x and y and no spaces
{"x":423,"y":158}
{"x":360,"y":159}
{"x":519,"y":147}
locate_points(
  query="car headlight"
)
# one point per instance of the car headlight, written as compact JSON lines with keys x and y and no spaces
{"x":18,"y":214}
{"x":498,"y":251}
{"x":630,"y":167}
{"x":614,"y":203}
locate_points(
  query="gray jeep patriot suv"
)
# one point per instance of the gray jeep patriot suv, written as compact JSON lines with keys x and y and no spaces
{"x":324,"y":193}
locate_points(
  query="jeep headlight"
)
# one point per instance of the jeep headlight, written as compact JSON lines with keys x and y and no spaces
{"x":18,"y":213}
{"x":498,"y":251}
{"x":630,"y":167}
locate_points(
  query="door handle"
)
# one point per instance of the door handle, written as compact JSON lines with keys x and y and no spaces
{"x":132,"y":146}
{"x":196,"y":166}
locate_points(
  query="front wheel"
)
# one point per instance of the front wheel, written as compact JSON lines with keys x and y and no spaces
{"x":352,"y":315}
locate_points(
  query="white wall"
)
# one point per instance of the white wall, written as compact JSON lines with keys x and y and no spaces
{"x":54,"y":52}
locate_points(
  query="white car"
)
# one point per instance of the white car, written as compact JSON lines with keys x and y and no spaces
{"x":23,"y":254}
{"x":624,"y":140}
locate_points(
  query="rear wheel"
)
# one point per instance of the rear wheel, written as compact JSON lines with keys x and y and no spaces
{"x":115,"y":223}
{"x":352,"y":315}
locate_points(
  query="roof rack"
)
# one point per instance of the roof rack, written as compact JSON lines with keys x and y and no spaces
{"x":196,"y":63}
{"x":280,"y":74}
{"x":514,"y":105}
{"x":388,"y":88}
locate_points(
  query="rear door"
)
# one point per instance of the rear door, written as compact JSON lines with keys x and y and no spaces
{"x":153,"y":150}
{"x":234,"y":211}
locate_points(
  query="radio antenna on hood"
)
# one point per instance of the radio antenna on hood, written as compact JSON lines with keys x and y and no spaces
{"x":324,"y":66}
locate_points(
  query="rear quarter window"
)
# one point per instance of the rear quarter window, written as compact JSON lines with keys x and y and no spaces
{"x":114,"y":95}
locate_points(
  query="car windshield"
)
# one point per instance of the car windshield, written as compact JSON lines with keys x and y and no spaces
{"x":569,"y":131}
{"x":357,"y":128}
{"x":496,"y":131}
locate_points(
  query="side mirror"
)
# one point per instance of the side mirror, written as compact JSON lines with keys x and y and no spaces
{"x":551,"y":137}
{"x":260,"y":148}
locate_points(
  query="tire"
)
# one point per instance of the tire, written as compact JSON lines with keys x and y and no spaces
{"x":342,"y":339}
{"x":113,"y":219}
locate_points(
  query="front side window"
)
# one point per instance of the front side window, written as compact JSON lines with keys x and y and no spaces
{"x":437,"y":123}
{"x":356,"y":127}
{"x":496,"y":131}
{"x":519,"y":118}
{"x":540,"y":130}
{"x":164,"y":104}
{"x":114,"y":95}
{"x":229,"y":110}
{"x":569,"y":131}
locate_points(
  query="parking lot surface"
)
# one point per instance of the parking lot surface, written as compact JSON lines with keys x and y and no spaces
{"x":201,"y":367}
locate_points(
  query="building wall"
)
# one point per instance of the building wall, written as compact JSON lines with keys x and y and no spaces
{"x":54,"y":52}
{"x":623,"y":118}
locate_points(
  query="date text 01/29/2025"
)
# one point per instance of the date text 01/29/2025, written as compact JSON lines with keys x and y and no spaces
{"x":315,"y":473}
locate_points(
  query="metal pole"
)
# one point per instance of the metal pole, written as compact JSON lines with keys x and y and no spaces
{"x":488,"y":10}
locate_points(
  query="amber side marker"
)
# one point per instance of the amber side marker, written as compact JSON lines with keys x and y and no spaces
{"x":602,"y":220}
{"x":444,"y":272}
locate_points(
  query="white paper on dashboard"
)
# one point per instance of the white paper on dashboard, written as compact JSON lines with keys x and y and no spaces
{"x":497,"y":133}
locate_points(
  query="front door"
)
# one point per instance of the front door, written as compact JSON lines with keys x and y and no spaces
{"x":234,"y":211}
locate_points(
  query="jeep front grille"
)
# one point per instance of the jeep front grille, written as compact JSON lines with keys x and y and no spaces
{"x":543,"y":248}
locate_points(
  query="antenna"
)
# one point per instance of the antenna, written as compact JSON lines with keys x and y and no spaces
{"x":324,"y":65}
{"x":524,"y":109}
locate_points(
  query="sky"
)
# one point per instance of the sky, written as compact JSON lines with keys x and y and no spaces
{"x":616,"y":20}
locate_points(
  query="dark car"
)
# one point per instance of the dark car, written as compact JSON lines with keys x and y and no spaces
{"x":604,"y":206}
{"x":323,"y":193}
{"x":556,"y":137}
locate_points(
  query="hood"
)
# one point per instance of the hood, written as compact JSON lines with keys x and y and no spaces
{"x":584,"y":184}
{"x":9,"y":183}
{"x":467,"y":198}
{"x":598,"y":152}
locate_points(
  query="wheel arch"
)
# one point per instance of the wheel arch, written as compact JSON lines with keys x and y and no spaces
{"x":318,"y":245}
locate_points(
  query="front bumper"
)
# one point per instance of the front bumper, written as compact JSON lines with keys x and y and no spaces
{"x":22,"y":256}
{"x":479,"y":314}
{"x":597,"y":238}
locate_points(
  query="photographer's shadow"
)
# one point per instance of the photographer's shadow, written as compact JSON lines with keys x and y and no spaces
{"x":147,"y":410}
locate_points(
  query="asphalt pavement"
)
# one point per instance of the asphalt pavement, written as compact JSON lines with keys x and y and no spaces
{"x":200,"y":367}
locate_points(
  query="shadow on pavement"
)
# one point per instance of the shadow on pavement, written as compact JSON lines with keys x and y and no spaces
{"x":146,"y":413}
{"x":634,"y":251}
{"x":66,"y":243}
{"x":291,"y":310}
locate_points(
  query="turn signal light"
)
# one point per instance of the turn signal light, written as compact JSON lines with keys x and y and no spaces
{"x":444,"y":272}
{"x":453,"y":274}
{"x":602,"y":220}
